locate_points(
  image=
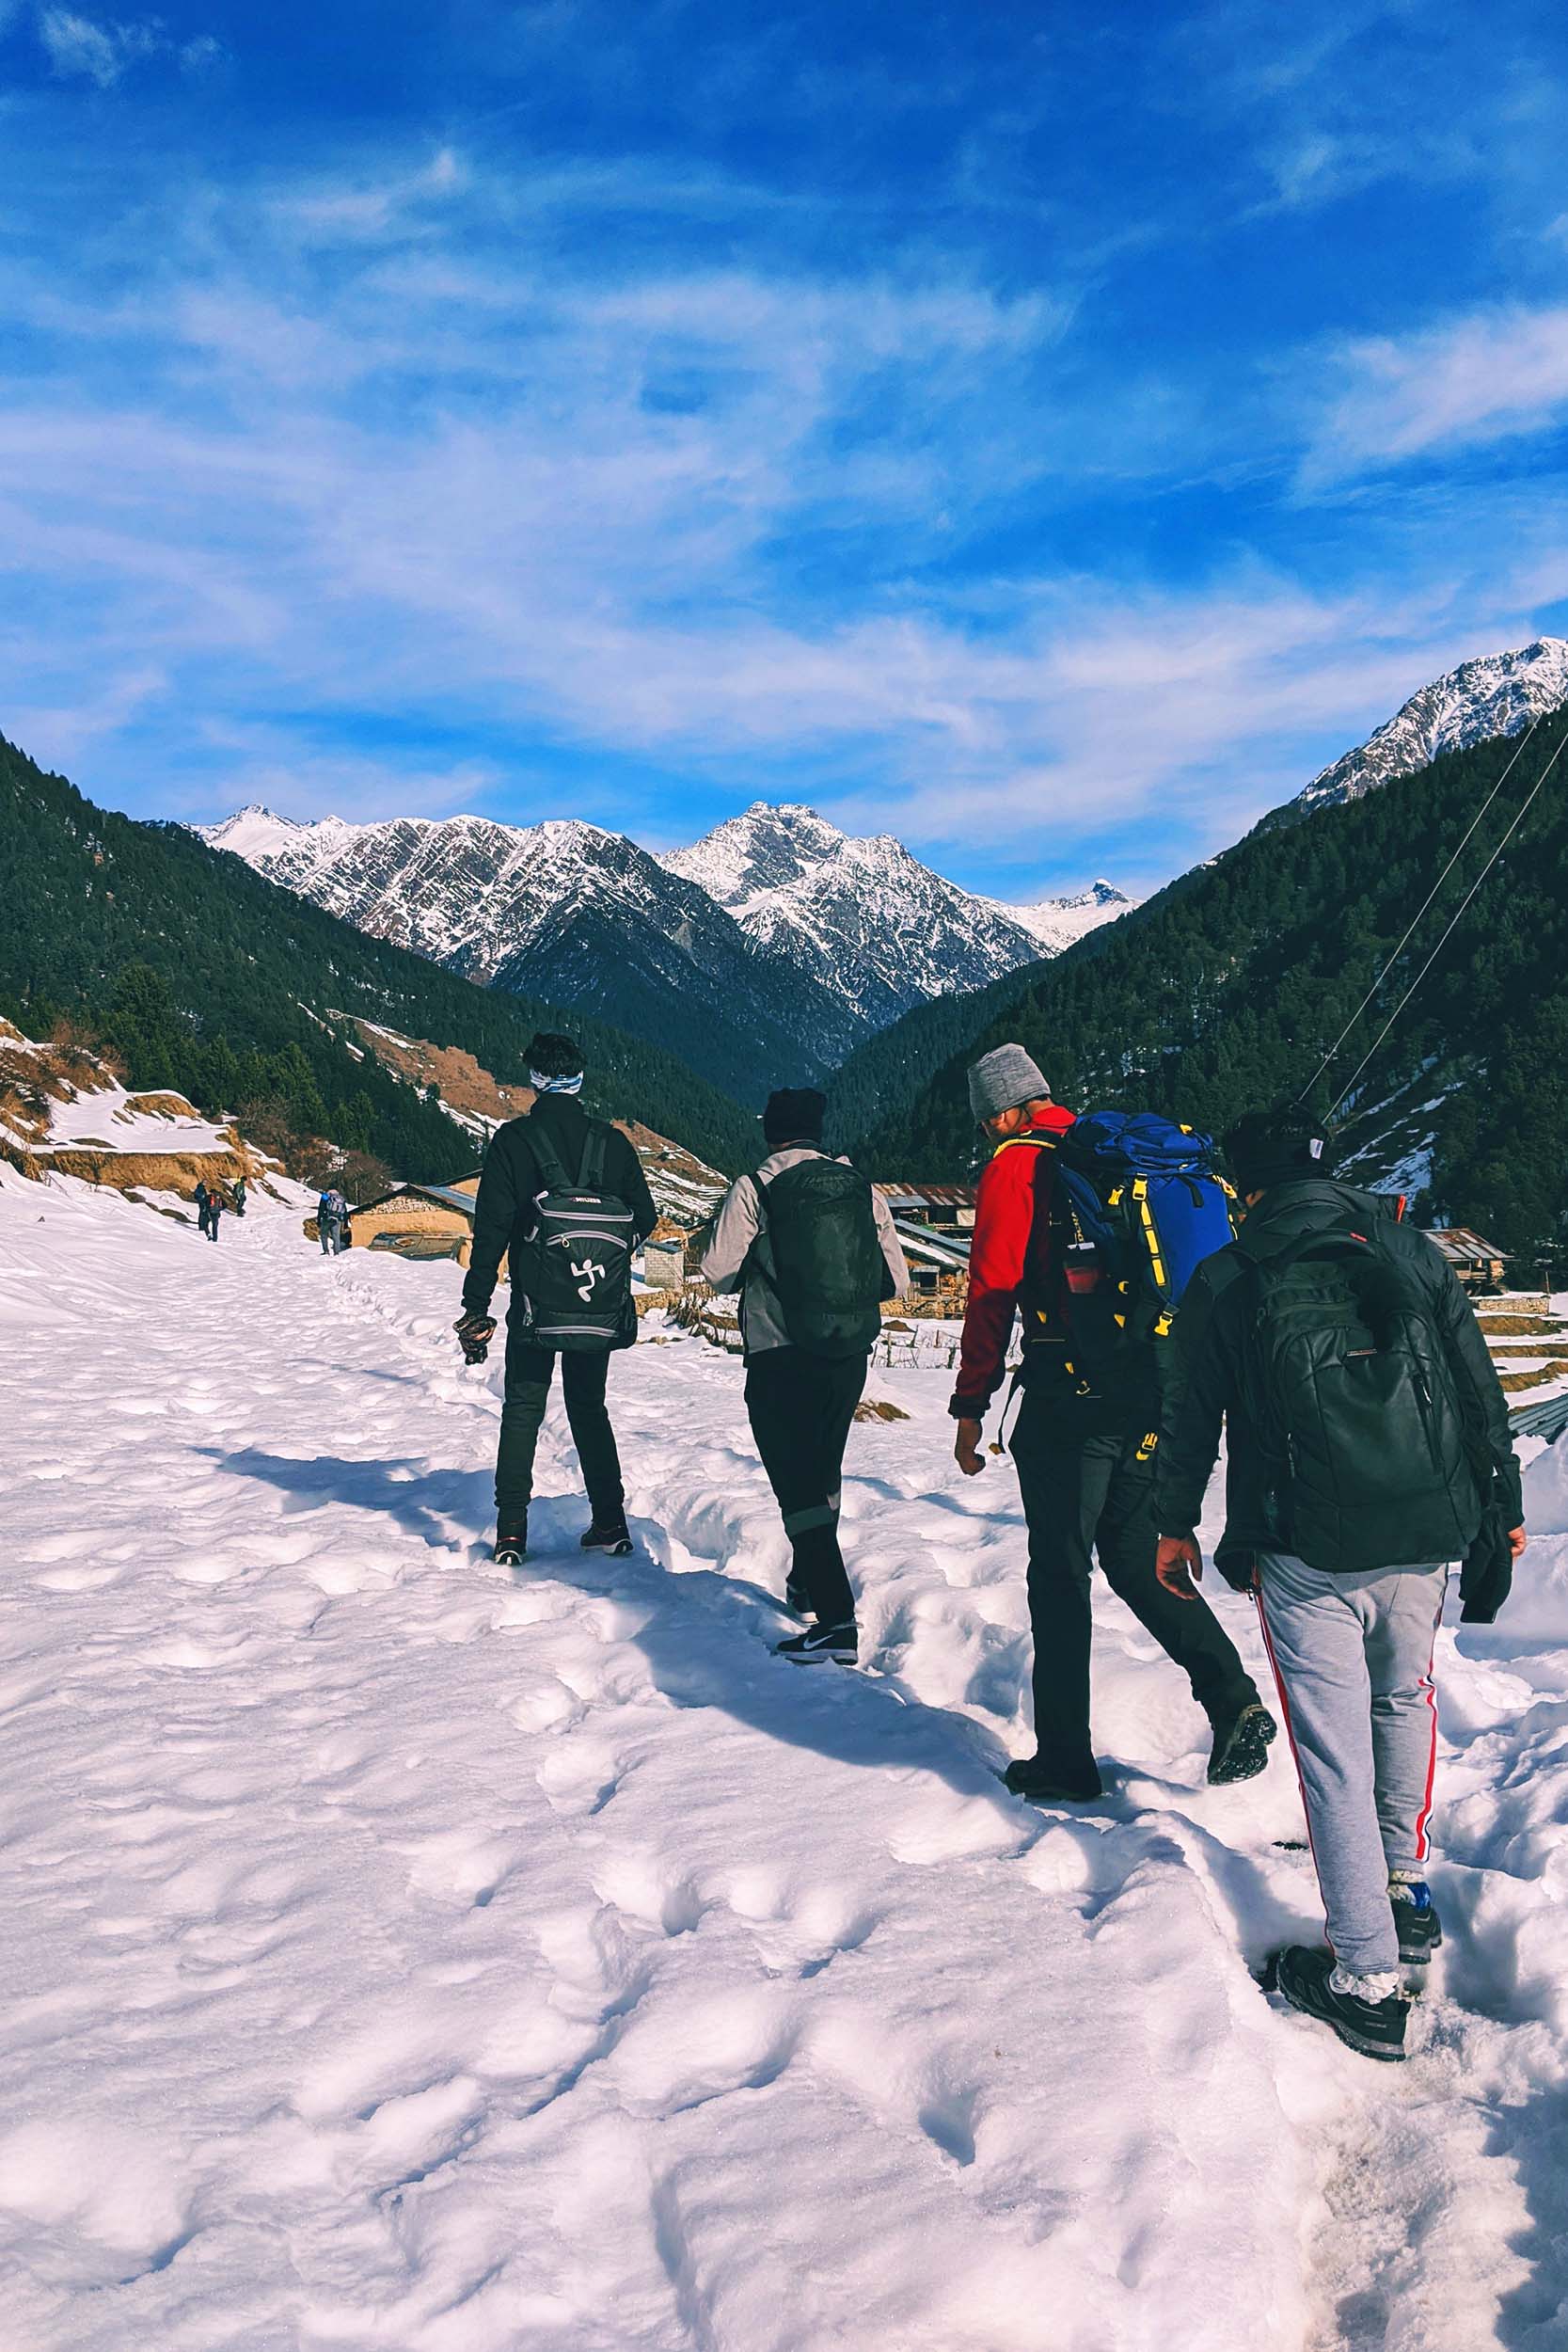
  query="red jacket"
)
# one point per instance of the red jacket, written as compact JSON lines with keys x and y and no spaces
{"x":1013,"y":1189}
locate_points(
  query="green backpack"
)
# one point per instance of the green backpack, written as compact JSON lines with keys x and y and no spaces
{"x":828,"y":1270}
{"x":1359,"y":1407}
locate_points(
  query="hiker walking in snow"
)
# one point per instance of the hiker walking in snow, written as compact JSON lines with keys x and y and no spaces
{"x":812,"y":1250}
{"x":1046,"y":1246}
{"x":215,"y":1206}
{"x":330,"y":1211}
{"x":565,"y":1197}
{"x":1367,"y":1449}
{"x":239,"y":1197}
{"x":203,"y":1205}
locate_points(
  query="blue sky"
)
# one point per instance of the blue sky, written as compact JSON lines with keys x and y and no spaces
{"x":1049,"y":434}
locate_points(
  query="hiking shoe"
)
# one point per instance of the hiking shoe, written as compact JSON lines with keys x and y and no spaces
{"x":1242,"y":1746}
{"x":511,"y":1546}
{"x":830,"y":1644}
{"x":612,"y":1536}
{"x":1045,"y":1782}
{"x":1415,"y":1917}
{"x":1375,"y":2029}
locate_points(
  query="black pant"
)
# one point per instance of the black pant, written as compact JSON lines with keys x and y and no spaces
{"x":800,"y":1409}
{"x":529,"y":1371}
{"x":1085,"y":1492}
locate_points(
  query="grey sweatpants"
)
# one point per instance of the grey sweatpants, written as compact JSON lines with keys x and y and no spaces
{"x":1352,"y":1659}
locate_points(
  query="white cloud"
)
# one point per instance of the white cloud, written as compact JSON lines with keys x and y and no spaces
{"x":65,"y":733}
{"x":350,"y":211}
{"x":1471,"y":380}
{"x":388,"y":458}
{"x":86,"y":48}
{"x":100,"y":53}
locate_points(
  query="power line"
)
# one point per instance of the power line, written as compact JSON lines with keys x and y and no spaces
{"x":1420,"y":914}
{"x":1521,"y":813}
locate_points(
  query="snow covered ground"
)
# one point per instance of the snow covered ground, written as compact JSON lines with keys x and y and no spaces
{"x":405,"y":1953}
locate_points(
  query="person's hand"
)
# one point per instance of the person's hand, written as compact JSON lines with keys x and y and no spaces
{"x":474,"y":1335}
{"x":966,"y":1449}
{"x":1178,"y":1565}
{"x":1517,"y":1539}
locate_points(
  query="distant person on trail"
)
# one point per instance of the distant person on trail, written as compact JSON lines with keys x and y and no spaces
{"x":331,"y":1210}
{"x":812,"y":1250}
{"x":203,"y":1205}
{"x":1367,"y":1449}
{"x":215,"y":1206}
{"x":1086,"y":1432}
{"x":564,"y":1194}
{"x":239,"y":1197}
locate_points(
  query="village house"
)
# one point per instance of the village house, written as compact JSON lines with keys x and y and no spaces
{"x":935,"y":1223}
{"x":1479,"y":1263}
{"x":417,"y":1220}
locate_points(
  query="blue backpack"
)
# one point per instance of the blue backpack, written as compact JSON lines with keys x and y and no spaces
{"x":1137,"y":1207}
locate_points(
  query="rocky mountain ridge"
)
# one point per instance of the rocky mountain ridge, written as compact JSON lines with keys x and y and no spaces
{"x":772,"y":946}
{"x":1496,"y":694}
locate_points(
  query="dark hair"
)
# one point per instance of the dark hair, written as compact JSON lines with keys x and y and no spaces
{"x":794,"y":1115}
{"x":1277,"y":1147}
{"x":554,"y":1056}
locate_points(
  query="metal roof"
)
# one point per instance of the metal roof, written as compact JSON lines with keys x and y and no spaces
{"x":448,"y":1196}
{"x":949,"y":1250}
{"x":1462,"y":1246}
{"x":934,"y":1195}
{"x":1548,"y":1419}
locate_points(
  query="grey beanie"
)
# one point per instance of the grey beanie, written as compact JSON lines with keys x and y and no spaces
{"x":1002,"y":1079}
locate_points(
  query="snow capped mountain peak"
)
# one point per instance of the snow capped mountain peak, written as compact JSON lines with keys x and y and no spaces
{"x":762,"y":849}
{"x":861,"y":915}
{"x":1497,"y":694}
{"x":1057,"y":923}
{"x":791,"y":937}
{"x":252,"y":832}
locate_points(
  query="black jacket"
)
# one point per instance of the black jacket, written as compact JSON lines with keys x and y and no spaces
{"x":512,"y":1180}
{"x":1209,"y":1383}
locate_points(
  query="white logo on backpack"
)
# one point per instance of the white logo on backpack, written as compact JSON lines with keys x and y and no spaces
{"x":595,"y":1273}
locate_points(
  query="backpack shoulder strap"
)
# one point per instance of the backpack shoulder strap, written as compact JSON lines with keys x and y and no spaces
{"x":591,"y":1174}
{"x":549,"y":1163}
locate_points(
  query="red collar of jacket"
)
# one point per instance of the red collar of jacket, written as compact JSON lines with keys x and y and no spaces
{"x":1051,"y":1119}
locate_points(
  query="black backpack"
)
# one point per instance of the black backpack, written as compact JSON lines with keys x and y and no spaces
{"x":575,"y":1266}
{"x":1359,"y":1406}
{"x":828,"y":1269}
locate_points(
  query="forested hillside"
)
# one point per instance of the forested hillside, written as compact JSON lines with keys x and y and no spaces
{"x":887,"y":1071}
{"x":1225,"y":990}
{"x":208,"y":978}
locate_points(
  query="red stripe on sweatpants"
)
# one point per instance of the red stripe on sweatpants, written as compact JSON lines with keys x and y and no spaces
{"x":1423,"y":1819}
{"x":1290,"y":1735}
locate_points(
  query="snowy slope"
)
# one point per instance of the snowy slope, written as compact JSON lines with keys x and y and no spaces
{"x":404,"y":1954}
{"x":1497,"y":694}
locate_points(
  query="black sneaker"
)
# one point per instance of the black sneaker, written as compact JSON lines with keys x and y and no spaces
{"x":511,"y":1546}
{"x":612,"y":1536}
{"x":1376,"y":2028}
{"x":821,"y":1645}
{"x":1415,"y":1917}
{"x":1242,"y":1746}
{"x":1045,"y":1782}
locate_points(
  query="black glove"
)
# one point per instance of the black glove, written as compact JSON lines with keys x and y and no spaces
{"x":474,"y":1335}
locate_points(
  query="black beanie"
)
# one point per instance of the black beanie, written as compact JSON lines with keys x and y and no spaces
{"x":1267,"y":1148}
{"x":795,"y":1115}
